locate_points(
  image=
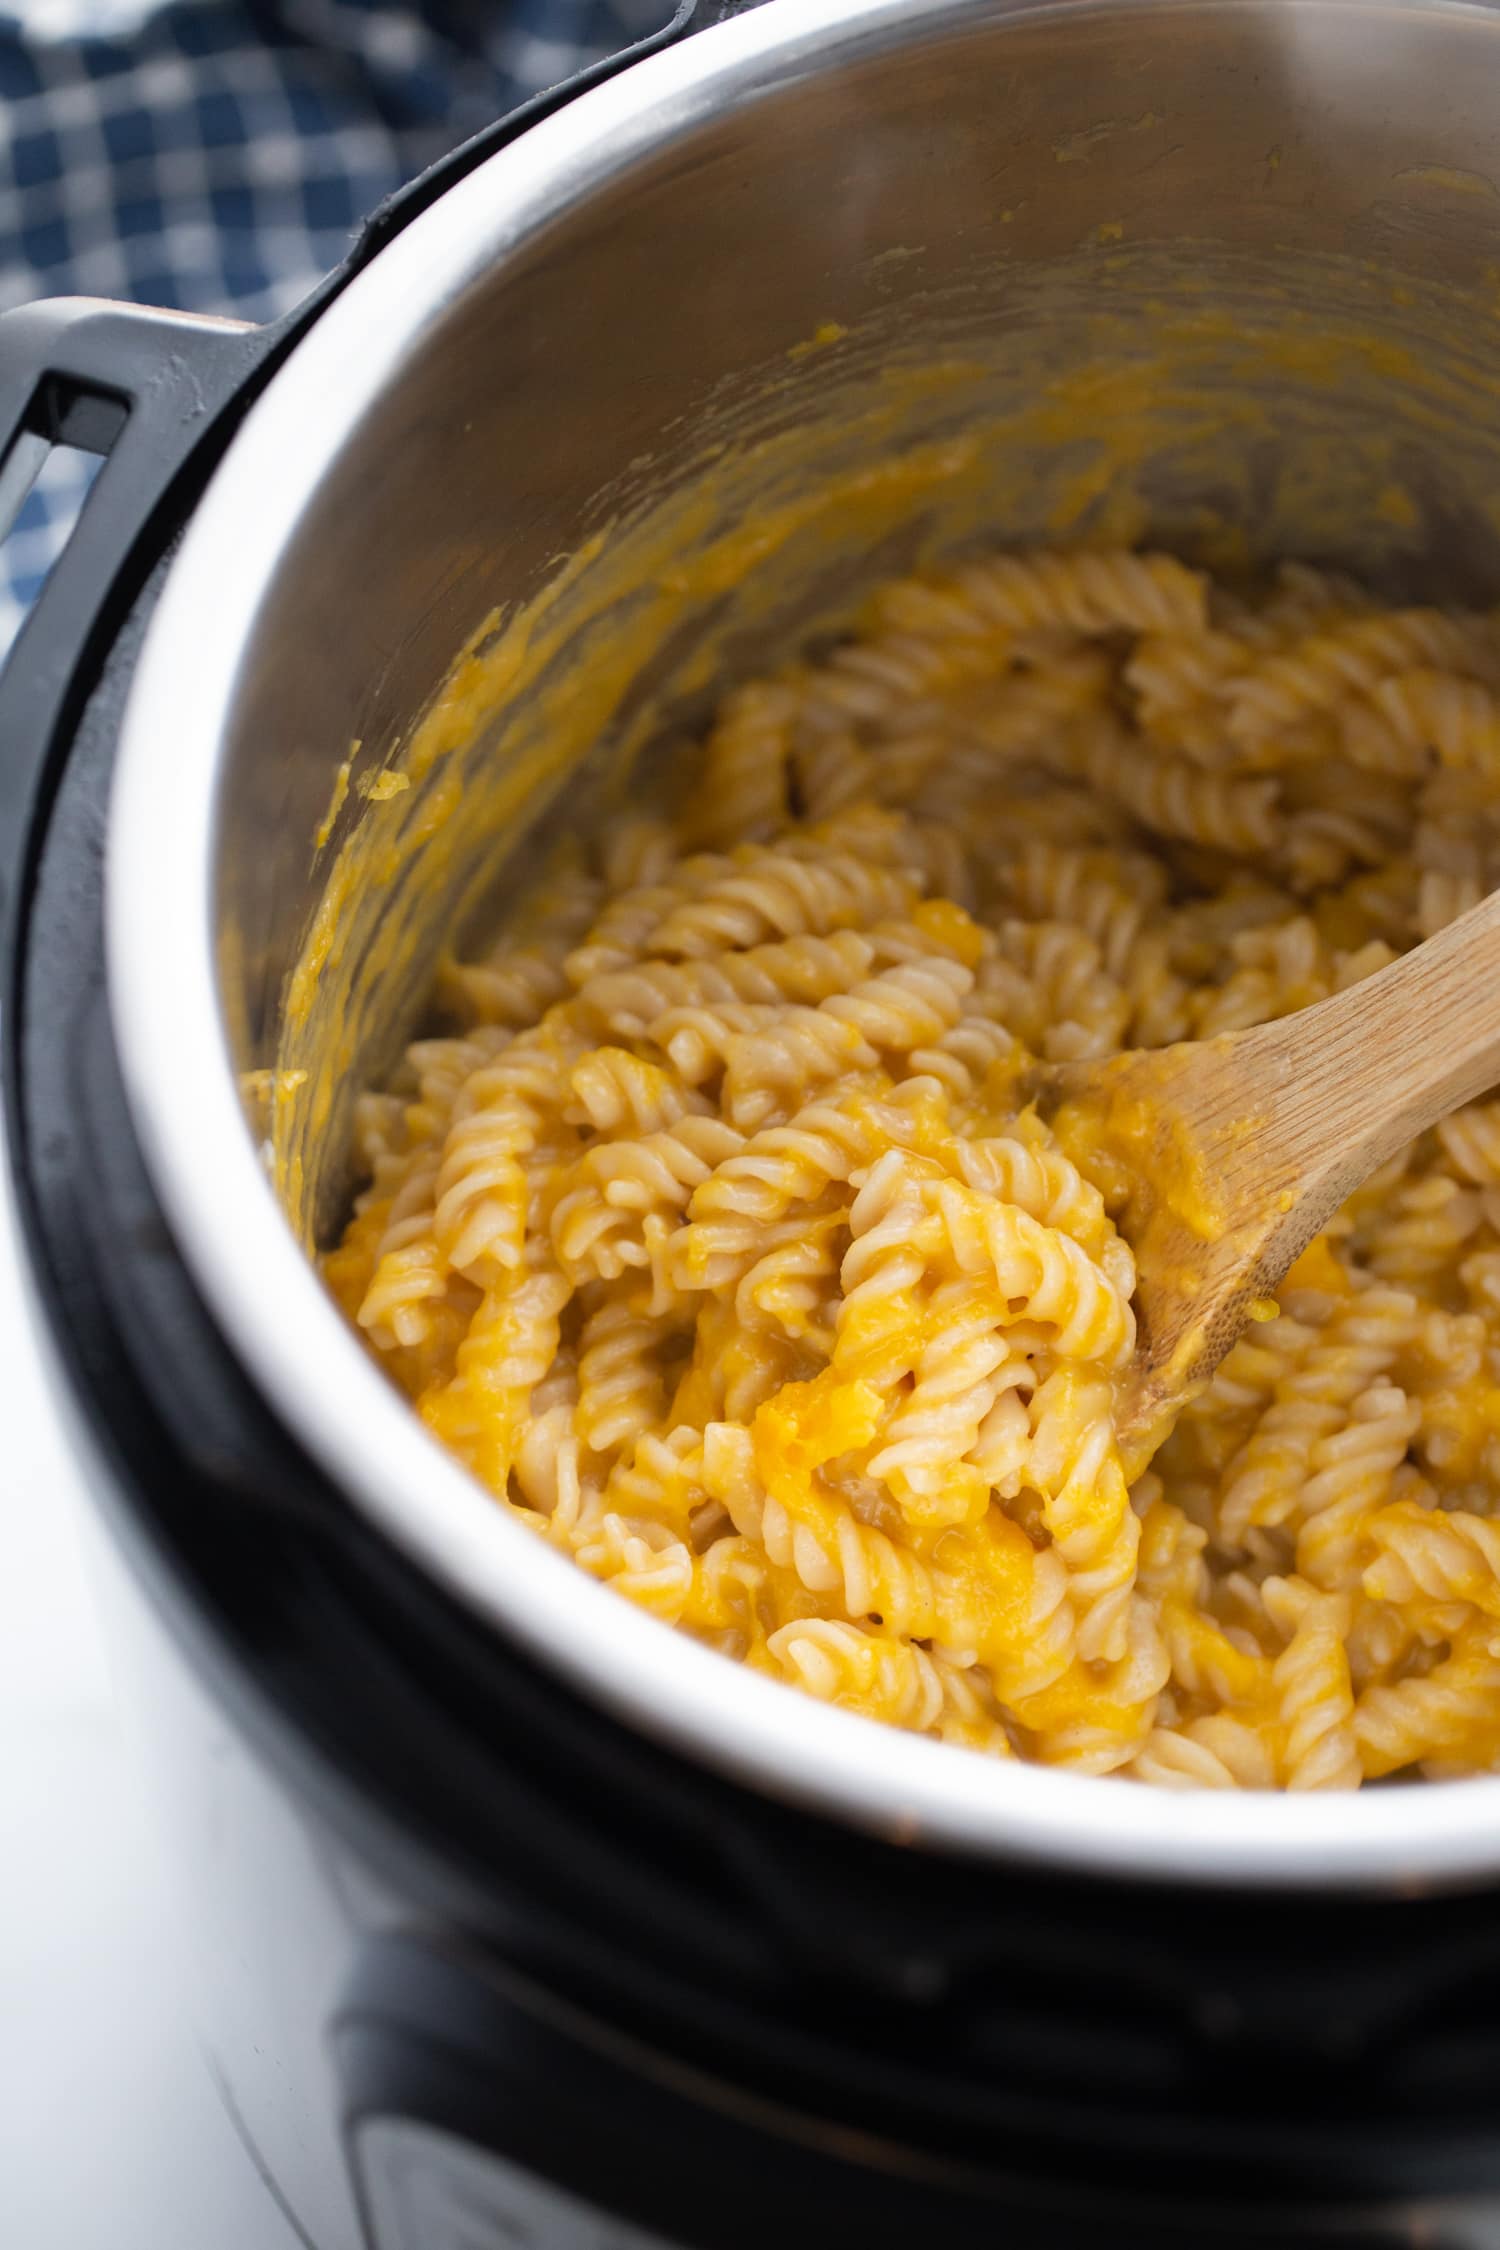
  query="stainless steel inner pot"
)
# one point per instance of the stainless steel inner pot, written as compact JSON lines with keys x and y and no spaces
{"x":664,"y":385}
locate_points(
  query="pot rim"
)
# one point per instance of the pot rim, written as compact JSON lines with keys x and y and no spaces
{"x":243,"y":1254}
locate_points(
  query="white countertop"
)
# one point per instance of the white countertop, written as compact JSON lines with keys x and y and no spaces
{"x":111,"y":2137}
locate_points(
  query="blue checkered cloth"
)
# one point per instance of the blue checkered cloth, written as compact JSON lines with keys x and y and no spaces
{"x":218,"y":155}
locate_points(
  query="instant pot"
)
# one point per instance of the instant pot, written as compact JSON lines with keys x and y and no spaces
{"x":513,"y":1918}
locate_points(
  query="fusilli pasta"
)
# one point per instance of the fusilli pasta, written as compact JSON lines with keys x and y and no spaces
{"x":718,"y":1241}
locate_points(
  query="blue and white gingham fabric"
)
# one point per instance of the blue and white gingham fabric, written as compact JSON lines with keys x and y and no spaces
{"x":218,"y":155}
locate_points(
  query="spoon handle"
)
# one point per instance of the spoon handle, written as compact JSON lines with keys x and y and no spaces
{"x":1353,"y":1079}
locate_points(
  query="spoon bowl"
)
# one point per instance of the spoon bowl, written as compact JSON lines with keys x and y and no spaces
{"x":1227,"y":1155}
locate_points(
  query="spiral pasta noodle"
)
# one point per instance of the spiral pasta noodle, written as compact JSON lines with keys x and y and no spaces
{"x":715,"y":1236}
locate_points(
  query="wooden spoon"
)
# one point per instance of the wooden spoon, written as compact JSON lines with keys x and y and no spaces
{"x":1236,"y":1150}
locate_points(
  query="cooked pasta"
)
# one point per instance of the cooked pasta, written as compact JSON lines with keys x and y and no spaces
{"x":716,"y":1238}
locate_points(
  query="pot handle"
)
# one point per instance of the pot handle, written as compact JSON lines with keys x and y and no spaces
{"x":143,"y":389}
